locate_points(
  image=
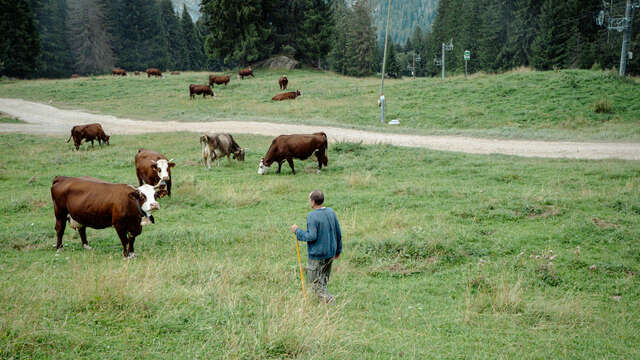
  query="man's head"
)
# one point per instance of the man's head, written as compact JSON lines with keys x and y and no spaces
{"x":316,"y":198}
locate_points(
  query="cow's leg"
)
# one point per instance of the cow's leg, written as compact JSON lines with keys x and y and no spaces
{"x":279,"y":167}
{"x":61,"y":223}
{"x":122,"y":234}
{"x":83,"y":237}
{"x":290,"y":161}
{"x":92,"y":143}
{"x":140,"y":182}
{"x":169,"y":187}
{"x":132,"y":252}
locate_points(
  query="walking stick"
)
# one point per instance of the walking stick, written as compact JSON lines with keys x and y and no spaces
{"x":300,"y":264}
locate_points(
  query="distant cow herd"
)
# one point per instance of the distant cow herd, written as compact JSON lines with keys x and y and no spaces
{"x":204,"y":90}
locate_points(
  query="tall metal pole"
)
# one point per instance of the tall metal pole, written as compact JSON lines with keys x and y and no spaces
{"x":624,"y":54}
{"x":384,"y":62}
{"x":443,"y":49}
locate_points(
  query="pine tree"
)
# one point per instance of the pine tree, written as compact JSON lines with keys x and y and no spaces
{"x":191,"y":56}
{"x":88,"y":39}
{"x":239,"y":34}
{"x":361,"y":41}
{"x":337,"y":55}
{"x":173,"y":33}
{"x":139,"y":35}
{"x":549,"y":46}
{"x":393,"y":68}
{"x":20,"y":41}
{"x":315,"y":32}
{"x":56,"y":59}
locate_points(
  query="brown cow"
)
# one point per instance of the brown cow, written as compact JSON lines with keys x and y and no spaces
{"x":245,"y":72}
{"x":287,"y":96}
{"x":74,"y":76}
{"x":137,"y":73}
{"x":154,"y":72}
{"x":90,"y":202}
{"x":88,"y":132}
{"x":175,"y":73}
{"x":153,"y":168}
{"x":118,"y":72}
{"x":200,"y":89}
{"x":283,"y":82}
{"x":218,"y":80}
{"x":288,"y":147}
{"x":215,"y":146}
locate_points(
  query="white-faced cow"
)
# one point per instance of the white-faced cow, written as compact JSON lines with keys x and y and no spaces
{"x":90,"y":202}
{"x":215,"y":146}
{"x":289,"y":147}
{"x":153,"y":168}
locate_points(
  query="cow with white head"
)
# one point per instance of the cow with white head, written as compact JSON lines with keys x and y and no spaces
{"x":153,"y":168}
{"x":90,"y":202}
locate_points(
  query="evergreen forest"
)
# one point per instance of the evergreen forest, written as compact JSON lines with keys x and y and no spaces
{"x":57,"y":38}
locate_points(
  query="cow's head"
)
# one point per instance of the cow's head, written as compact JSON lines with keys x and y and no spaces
{"x":145,"y":196}
{"x":162,"y":166}
{"x":239,"y":154}
{"x":106,"y":139}
{"x":298,"y":93}
{"x":262,"y":168}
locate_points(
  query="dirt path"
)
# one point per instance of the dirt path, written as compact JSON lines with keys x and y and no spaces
{"x":45,"y":119}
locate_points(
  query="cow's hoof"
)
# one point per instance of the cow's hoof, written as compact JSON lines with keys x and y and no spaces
{"x":132,"y":255}
{"x":317,"y":171}
{"x":86,"y":246}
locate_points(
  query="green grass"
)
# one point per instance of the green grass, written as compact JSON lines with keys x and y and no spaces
{"x":519,"y":104}
{"x":446,"y":255}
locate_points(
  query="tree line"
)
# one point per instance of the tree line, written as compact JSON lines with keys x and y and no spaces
{"x":56,"y":38}
{"x":502,"y":35}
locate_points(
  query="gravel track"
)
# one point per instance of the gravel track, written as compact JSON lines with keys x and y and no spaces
{"x":48,"y":120}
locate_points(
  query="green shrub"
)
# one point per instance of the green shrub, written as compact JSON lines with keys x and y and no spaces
{"x":603,"y":106}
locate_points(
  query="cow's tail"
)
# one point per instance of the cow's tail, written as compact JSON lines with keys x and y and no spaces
{"x":69,"y":139}
{"x":326,"y":141}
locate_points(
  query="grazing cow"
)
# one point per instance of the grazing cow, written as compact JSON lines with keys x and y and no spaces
{"x":153,"y":72}
{"x":200,"y":89}
{"x":245,"y":72}
{"x":287,"y":96}
{"x":89,"y":202}
{"x":88,"y":132}
{"x":215,"y":146}
{"x":118,"y":72}
{"x":137,"y":73}
{"x":218,"y":80}
{"x":153,"y":168}
{"x":283,"y":82}
{"x":288,"y":147}
{"x":74,"y":76}
{"x":175,"y":73}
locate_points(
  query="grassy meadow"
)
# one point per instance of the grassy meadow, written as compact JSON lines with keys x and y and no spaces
{"x":446,"y":255}
{"x":568,"y":105}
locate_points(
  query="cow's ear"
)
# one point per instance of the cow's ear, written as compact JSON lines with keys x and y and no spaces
{"x":154,"y":166}
{"x":137,"y":196}
{"x":171,"y":164}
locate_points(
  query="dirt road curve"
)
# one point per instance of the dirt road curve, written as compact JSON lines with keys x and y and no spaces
{"x":45,"y":119}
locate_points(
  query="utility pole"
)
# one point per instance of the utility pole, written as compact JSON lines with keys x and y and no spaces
{"x":384,"y":63}
{"x":416,"y":59}
{"x":621,"y":25}
{"x":624,"y":54}
{"x":445,"y":48}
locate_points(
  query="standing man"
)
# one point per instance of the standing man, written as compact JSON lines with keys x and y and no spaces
{"x":324,"y":243}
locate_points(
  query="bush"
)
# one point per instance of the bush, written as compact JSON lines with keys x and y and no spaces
{"x":596,"y":66}
{"x":288,"y":50}
{"x":603,"y":106}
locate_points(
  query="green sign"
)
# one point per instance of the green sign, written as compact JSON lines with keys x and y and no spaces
{"x":467,"y":55}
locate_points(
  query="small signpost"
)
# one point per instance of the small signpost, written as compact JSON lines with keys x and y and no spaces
{"x":467,"y":57}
